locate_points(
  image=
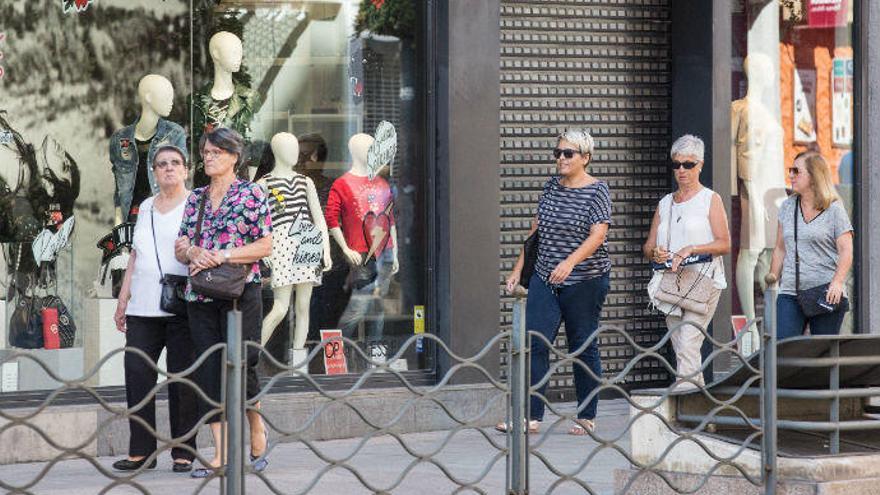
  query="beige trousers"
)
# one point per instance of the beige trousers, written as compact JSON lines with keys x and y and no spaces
{"x":687,"y":340}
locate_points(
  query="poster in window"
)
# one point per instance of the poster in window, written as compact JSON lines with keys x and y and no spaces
{"x":842,"y":102}
{"x":804,"y":106}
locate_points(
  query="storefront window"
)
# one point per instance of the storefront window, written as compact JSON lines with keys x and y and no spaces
{"x":334,"y":85}
{"x":792,"y":86}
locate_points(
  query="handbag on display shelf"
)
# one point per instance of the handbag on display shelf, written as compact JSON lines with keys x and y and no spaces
{"x":26,"y":325}
{"x":689,"y":290}
{"x":813,"y":300}
{"x":172,"y":299}
{"x":225,"y":281}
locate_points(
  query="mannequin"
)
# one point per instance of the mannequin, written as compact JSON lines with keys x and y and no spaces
{"x":360,"y":216}
{"x":293,"y":198}
{"x":757,"y":153}
{"x":134,"y":176}
{"x":223,"y":102}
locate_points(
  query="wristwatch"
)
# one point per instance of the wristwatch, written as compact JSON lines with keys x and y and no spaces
{"x":226,"y":255}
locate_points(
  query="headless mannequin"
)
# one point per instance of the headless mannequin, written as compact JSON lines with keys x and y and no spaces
{"x":226,"y":51}
{"x":156,"y":95}
{"x":286,"y":150}
{"x":757,"y":153}
{"x":358,"y":146}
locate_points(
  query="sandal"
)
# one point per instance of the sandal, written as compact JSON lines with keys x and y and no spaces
{"x":582,"y":427}
{"x":534,"y":426}
{"x":201,"y":473}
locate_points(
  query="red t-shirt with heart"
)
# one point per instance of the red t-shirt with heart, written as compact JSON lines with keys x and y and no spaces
{"x":362,"y":208}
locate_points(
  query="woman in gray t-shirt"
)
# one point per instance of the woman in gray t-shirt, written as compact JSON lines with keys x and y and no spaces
{"x":824,"y":246}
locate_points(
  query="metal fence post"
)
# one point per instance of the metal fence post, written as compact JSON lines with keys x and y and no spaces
{"x":517,"y":431}
{"x":234,"y":405}
{"x":768,"y":385}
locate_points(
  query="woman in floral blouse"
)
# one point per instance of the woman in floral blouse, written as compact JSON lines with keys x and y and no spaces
{"x":236,"y":228}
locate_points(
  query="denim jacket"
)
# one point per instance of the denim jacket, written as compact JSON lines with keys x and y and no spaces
{"x":124,"y":157}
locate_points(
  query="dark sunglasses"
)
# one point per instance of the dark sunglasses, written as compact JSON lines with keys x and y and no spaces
{"x":686,"y":165}
{"x":568,"y":153}
{"x":794,"y":171}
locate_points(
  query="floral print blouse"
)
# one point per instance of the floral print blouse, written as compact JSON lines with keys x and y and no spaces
{"x":242,"y":218}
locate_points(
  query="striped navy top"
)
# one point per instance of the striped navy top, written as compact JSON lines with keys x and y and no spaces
{"x":565,"y":216}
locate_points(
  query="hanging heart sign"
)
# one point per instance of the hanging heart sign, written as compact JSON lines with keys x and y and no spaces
{"x":382,"y":150}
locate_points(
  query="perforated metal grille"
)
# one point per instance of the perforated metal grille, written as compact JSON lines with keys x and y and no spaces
{"x":603,"y":66}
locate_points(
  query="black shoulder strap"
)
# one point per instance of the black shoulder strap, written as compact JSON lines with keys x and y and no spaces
{"x":797,"y":259}
{"x":200,"y":217}
{"x":155,"y":248}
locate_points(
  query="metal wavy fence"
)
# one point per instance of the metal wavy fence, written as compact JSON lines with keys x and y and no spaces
{"x":678,"y":424}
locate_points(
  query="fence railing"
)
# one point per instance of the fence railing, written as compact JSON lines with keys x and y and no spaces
{"x":531,"y":461}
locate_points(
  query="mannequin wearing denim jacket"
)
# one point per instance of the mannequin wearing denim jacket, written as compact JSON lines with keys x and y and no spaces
{"x":156,"y":96}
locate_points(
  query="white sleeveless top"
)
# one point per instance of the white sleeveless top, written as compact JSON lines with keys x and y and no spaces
{"x":690,"y":226}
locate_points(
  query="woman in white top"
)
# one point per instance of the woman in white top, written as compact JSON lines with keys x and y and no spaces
{"x":150,"y":329}
{"x":690,"y":221}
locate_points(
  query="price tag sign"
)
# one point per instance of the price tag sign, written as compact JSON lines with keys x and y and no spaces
{"x":419,"y":319}
{"x":334,"y":353}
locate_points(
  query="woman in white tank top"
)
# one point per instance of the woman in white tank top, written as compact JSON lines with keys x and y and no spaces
{"x":690,"y":221}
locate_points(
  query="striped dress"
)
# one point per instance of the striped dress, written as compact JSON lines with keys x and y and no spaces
{"x":565,"y":216}
{"x":288,"y":198}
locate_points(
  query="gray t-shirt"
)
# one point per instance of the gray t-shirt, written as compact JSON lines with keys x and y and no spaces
{"x":816,"y":244}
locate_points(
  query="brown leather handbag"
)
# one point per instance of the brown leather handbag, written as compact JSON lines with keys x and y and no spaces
{"x":221,"y":282}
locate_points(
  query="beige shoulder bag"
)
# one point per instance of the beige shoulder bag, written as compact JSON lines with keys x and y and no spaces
{"x":689,"y":290}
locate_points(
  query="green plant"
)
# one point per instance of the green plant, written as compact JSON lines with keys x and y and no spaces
{"x":390,"y":17}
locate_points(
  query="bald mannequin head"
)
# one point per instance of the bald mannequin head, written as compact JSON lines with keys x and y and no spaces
{"x":226,"y":51}
{"x":285,"y":147}
{"x":359,"y":146}
{"x":156,"y":94}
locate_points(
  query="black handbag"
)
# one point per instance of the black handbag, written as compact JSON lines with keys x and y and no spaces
{"x":812,"y":301}
{"x":530,"y":257}
{"x":26,"y":323}
{"x":361,"y":276}
{"x":224,"y":282}
{"x":173,"y":296}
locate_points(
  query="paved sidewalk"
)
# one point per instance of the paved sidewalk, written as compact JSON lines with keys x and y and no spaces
{"x":466,"y":456}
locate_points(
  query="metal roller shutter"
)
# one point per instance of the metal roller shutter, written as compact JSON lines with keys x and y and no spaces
{"x":603,"y":66}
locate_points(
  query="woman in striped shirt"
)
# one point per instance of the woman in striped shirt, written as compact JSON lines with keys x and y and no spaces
{"x":571,"y":275}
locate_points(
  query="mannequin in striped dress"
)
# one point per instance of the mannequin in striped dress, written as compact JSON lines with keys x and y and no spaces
{"x":296,"y":216}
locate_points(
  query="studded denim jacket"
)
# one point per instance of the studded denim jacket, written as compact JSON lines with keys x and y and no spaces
{"x":124,"y":157}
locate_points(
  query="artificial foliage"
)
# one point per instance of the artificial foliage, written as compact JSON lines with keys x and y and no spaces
{"x":388,"y":17}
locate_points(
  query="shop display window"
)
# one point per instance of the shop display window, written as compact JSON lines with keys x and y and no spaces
{"x":340,"y":79}
{"x":792,"y":89}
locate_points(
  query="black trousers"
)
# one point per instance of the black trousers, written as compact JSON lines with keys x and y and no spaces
{"x":151,"y":335}
{"x":207,"y":322}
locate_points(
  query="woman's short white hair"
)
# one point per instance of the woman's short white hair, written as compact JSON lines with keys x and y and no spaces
{"x":688,"y":145}
{"x":579,"y":138}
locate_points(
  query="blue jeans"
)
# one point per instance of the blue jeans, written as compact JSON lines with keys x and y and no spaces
{"x":791,"y":321}
{"x":579,"y":306}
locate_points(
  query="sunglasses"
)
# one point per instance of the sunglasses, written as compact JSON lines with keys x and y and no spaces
{"x":794,"y":171}
{"x":568,"y":153}
{"x":686,"y":165}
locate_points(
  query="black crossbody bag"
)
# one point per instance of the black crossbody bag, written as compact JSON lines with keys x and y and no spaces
{"x":813,"y":300}
{"x":173,"y":297}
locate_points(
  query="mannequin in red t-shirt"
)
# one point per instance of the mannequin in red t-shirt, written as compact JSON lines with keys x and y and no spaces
{"x":352,"y":197}
{"x":359,"y":214}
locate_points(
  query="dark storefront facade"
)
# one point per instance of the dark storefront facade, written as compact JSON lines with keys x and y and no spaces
{"x":476,"y":91}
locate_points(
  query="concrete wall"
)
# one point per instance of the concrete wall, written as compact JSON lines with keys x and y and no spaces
{"x":93,"y":430}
